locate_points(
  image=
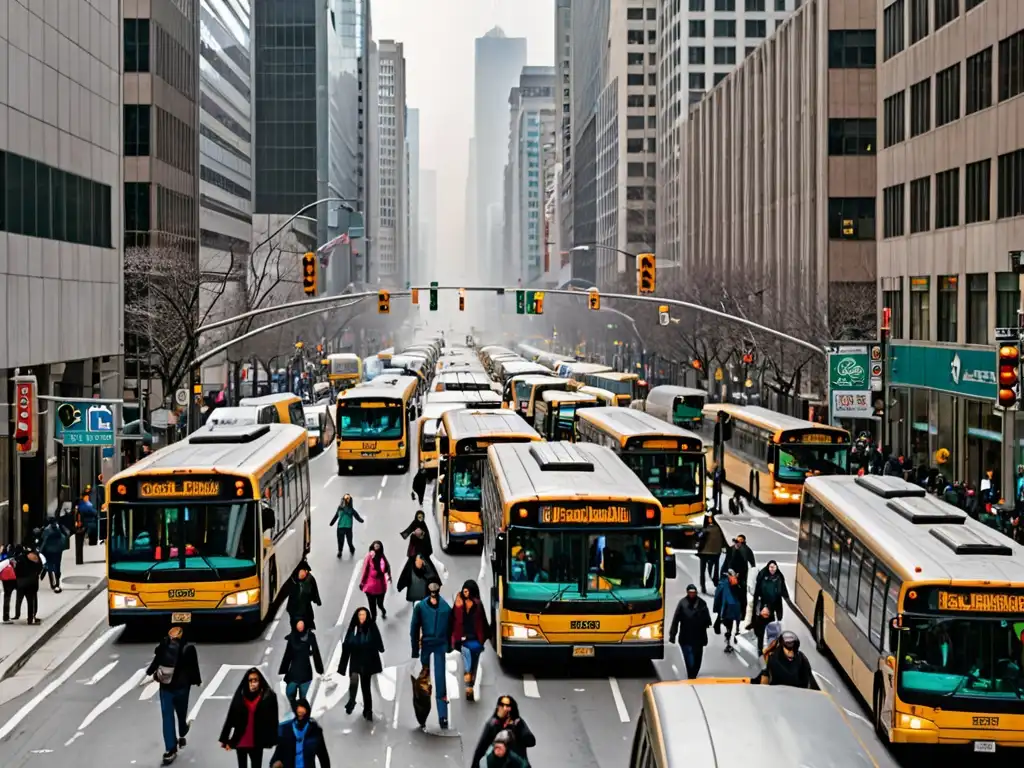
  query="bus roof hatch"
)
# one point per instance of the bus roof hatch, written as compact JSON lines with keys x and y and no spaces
{"x":229,"y":434}
{"x":560,"y":457}
{"x":890,"y":487}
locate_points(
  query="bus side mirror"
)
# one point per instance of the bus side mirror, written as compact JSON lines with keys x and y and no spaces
{"x":498,"y":556}
{"x":670,"y":563}
{"x":894,"y":637}
{"x":442,"y":447}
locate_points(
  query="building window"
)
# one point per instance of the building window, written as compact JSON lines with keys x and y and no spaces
{"x":725,"y":55}
{"x":635,"y":79}
{"x":979,"y":81}
{"x":947,"y":95}
{"x":918,"y":20}
{"x":969,"y":4}
{"x":136,"y":214}
{"x":1007,"y":299}
{"x":977,"y":191}
{"x":634,"y":146}
{"x":920,"y":205}
{"x":696,"y":55}
{"x":1011,"y":66}
{"x":977,"y":309}
{"x":945,"y":12}
{"x":851,"y":48}
{"x":696,"y":80}
{"x":635,"y":14}
{"x":757,"y":6}
{"x":725,"y":28}
{"x":634,"y":59}
{"x":893,"y":299}
{"x":947,"y":198}
{"x":920,"y":303}
{"x":697,"y":28}
{"x":851,"y":218}
{"x":1010,"y":185}
{"x":946,"y":330}
{"x":755,"y":28}
{"x":894,"y":109}
{"x":651,"y":14}
{"x":635,"y":123}
{"x":136,"y":45}
{"x":893,"y":29}
{"x":851,"y":136}
{"x":137,"y":129}
{"x":725,"y":5}
{"x":780,"y":5}
{"x":697,"y":5}
{"x":920,"y":107}
{"x":893,"y":212}
{"x":720,"y":76}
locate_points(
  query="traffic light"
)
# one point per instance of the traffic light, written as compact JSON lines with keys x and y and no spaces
{"x":663,"y":316}
{"x":383,"y":302}
{"x":433,"y":296}
{"x":538,"y":302}
{"x":594,"y":298}
{"x":645,"y":269}
{"x":415,"y":295}
{"x":1009,"y":376}
{"x":520,"y":302}
{"x":309,"y":274}
{"x":462,"y":299}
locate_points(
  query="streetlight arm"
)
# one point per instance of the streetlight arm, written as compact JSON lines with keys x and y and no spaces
{"x":344,"y":204}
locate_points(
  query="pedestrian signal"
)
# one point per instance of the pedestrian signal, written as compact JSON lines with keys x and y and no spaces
{"x":1009,"y":376}
{"x":309,"y":274}
{"x":520,"y":302}
{"x":594,"y":299}
{"x":645,"y":273}
{"x":433,"y":295}
{"x":462,"y":299}
{"x":415,"y":295}
{"x":383,"y":302}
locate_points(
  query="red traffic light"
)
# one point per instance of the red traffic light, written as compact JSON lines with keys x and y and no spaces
{"x":1009,"y":375}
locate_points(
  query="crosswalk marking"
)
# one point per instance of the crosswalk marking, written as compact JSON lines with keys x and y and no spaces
{"x":210,"y":689}
{"x":149,"y":691}
{"x":530,"y":687}
{"x":619,"y":703}
{"x":101,"y":674}
{"x":113,"y":698}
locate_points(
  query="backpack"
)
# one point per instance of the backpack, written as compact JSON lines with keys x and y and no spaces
{"x":165,"y":669}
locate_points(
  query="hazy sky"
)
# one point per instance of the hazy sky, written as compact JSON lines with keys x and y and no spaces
{"x":438,"y":37}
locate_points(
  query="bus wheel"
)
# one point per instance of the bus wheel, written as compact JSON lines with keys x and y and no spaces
{"x":272,"y":595}
{"x":341,"y":469}
{"x":819,"y":627}
{"x":446,"y":543}
{"x":876,"y":710}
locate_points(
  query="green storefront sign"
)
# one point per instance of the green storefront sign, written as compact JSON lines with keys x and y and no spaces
{"x":957,"y":370}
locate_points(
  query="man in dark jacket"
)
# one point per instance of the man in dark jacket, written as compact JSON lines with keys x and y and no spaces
{"x":787,"y":665}
{"x":691,"y":622}
{"x":52,"y":543}
{"x":28,"y":567}
{"x":505,"y":718}
{"x":251,"y":724}
{"x":430,"y":632}
{"x":770,"y":590}
{"x":301,"y":656}
{"x":740,"y":559}
{"x":303,"y":596}
{"x":175,"y":666}
{"x":710,"y":545}
{"x":344,"y":516}
{"x":419,"y":486}
{"x":717,"y":484}
{"x":301,"y":735}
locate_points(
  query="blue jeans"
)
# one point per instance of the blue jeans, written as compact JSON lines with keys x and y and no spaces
{"x":302,"y":689}
{"x":434,"y":657}
{"x":471,"y":650}
{"x":693,"y":655}
{"x":173,"y":702}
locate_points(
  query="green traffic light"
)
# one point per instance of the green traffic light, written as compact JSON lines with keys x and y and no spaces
{"x":433,"y":295}
{"x":520,"y":302}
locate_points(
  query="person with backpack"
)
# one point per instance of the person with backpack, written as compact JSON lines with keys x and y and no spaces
{"x":9,"y":578}
{"x":344,"y":516}
{"x":710,"y":545}
{"x":430,"y":631}
{"x":53,"y":540}
{"x":728,"y":607}
{"x":175,"y":667}
{"x":786,"y":665}
{"x":770,"y":592}
{"x":251,"y":723}
{"x":29,"y":571}
{"x":501,"y":755}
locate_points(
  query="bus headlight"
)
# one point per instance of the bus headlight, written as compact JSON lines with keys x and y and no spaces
{"x":245,"y":597}
{"x":646,"y":632}
{"x":458,"y":527}
{"x":519,"y":632}
{"x":118,"y":600}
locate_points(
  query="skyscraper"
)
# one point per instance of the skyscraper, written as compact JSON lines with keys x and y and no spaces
{"x":498,"y":63}
{"x":391,"y":177}
{"x":412,"y":243}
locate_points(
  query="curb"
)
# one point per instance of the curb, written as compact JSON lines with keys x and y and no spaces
{"x":13,"y":663}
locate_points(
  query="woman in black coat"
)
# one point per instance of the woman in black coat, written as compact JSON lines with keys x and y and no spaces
{"x":251,"y":724}
{"x":29,"y":570}
{"x":419,"y":537}
{"x":360,"y":657}
{"x":417,"y":574}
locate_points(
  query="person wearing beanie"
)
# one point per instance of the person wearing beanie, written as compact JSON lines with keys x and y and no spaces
{"x":300,"y":742}
{"x":690,"y":622}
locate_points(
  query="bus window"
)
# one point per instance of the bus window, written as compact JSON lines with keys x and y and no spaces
{"x":371,"y":423}
{"x":295,"y":414}
{"x":621,"y":561}
{"x":796,"y":462}
{"x":467,"y":475}
{"x":669,"y":476}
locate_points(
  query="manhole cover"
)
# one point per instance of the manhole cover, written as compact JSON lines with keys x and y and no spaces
{"x":79,"y":582}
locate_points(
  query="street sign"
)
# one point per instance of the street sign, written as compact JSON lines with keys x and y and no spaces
{"x":84,"y":423}
{"x":181,"y":398}
{"x":849,"y":381}
{"x":355,"y":233}
{"x":26,"y":411}
{"x":1007,"y":334}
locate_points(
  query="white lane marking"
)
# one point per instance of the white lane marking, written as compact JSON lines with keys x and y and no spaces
{"x":149,"y":691}
{"x":828,"y":682}
{"x":66,"y":675}
{"x":101,"y":674}
{"x":479,"y":677}
{"x":271,"y":629}
{"x":348,"y":594}
{"x":329,"y":695}
{"x":387,"y":683}
{"x":483,"y":567}
{"x":123,"y":690}
{"x":851,"y":713}
{"x":442,"y":569}
{"x":747,"y":646}
{"x":394,"y":717}
{"x":268,"y":651}
{"x":210,"y":690}
{"x":331,"y":480}
{"x":384,"y":481}
{"x":530,"y":687}
{"x":451,"y":674}
{"x":619,"y":703}
{"x":73,"y":739}
{"x":387,"y":757}
{"x":379,"y":493}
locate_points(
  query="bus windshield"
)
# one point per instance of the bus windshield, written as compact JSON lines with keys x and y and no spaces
{"x":466,"y":478}
{"x":147,"y":540}
{"x":610,"y":565}
{"x":954,"y":662}
{"x":688,"y":410}
{"x":796,"y":461}
{"x":523,"y":391}
{"x":348,"y":367}
{"x":669,"y":476}
{"x":370,"y":423}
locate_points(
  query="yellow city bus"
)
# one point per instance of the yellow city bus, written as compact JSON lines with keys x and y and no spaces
{"x":426,"y":435}
{"x":209,"y":529}
{"x":625,"y":386}
{"x":769,"y":455}
{"x":920,"y":605}
{"x":463,"y":439}
{"x":606,"y":398}
{"x":344,"y":370}
{"x":373,"y":424}
{"x":575,"y":563}
{"x":667,"y":459}
{"x":470,"y":398}
{"x":319,"y":427}
{"x":522,"y":392}
{"x":554,"y":415}
{"x":287,"y":406}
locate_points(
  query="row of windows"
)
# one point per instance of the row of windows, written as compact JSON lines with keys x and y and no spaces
{"x":751,"y":6}
{"x":727,"y":28}
{"x":894,"y":20}
{"x":41,"y":201}
{"x":1007,"y":300}
{"x":851,"y":49}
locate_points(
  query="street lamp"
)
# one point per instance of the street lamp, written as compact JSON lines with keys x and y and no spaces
{"x":342,"y":201}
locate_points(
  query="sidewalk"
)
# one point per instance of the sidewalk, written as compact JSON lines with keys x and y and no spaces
{"x":81,"y":583}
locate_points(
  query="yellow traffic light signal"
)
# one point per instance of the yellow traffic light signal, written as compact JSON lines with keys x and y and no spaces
{"x":538,"y":302}
{"x":645,"y":273}
{"x":462,"y":299}
{"x":383,"y":302}
{"x":415,"y":295}
{"x":310,"y":269}
{"x":595,"y":298}
{"x":1009,"y":376}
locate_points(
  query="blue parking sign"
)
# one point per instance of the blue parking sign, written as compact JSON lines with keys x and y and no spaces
{"x":84,"y":423}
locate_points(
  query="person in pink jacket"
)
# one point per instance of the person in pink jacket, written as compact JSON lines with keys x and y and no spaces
{"x":375,"y":579}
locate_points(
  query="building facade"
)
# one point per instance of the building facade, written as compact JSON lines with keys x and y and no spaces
{"x":950,"y":181}
{"x":564,"y":143}
{"x":391,"y":176}
{"x":699,"y":43}
{"x":413,"y":257}
{"x":61,"y":233}
{"x":428,"y":250}
{"x":499,"y":60}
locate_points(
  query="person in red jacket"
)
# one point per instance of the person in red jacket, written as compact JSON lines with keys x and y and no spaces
{"x":469,"y":631}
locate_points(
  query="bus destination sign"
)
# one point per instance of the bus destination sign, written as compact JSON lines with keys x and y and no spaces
{"x":179,"y":489}
{"x":553,"y":514}
{"x":981,"y":602}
